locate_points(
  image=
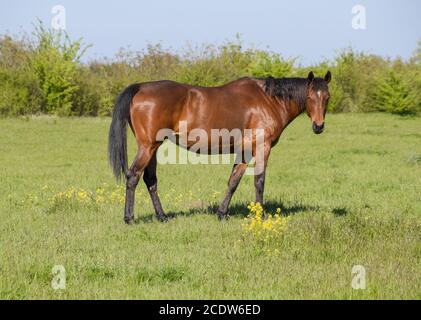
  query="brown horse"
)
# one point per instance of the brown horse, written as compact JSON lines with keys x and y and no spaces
{"x":268,"y":104}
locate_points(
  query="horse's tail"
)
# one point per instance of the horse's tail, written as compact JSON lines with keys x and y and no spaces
{"x":117,"y":136}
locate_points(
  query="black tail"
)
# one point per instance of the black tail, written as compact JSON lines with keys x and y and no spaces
{"x":117,"y":137}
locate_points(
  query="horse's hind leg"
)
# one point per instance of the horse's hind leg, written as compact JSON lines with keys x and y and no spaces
{"x":151,"y":181}
{"x":139,"y":164}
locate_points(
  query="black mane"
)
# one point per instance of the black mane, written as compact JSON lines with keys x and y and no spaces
{"x":289,"y":89}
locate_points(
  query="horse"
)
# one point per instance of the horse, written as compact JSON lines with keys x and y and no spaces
{"x":265,"y":104}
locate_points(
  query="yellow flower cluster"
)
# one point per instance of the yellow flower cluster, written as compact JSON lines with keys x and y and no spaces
{"x":266,"y":232}
{"x":102,"y":195}
{"x":117,"y":195}
{"x":73,"y":193}
{"x":105,"y":194}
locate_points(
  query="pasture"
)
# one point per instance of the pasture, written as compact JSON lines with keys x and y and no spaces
{"x":353,"y":195}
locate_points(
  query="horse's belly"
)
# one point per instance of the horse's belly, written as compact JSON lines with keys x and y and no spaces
{"x":215,"y":143}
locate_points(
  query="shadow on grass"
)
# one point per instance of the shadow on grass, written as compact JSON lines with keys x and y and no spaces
{"x":339,"y":212}
{"x":171,"y":215}
{"x":236,"y":210}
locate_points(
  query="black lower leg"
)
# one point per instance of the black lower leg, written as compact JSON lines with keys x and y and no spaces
{"x":131,"y":183}
{"x":156,"y":202}
{"x":151,"y":181}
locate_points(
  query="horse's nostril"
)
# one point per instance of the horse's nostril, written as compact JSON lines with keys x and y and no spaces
{"x":318,"y":128}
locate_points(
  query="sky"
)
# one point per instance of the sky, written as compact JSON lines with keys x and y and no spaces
{"x":309,"y":30}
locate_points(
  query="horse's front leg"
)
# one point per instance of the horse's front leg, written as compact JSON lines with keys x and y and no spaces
{"x":260,"y":173}
{"x":235,"y":177}
{"x":259,"y":186}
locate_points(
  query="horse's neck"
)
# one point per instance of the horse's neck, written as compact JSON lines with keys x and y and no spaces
{"x":292,"y":111}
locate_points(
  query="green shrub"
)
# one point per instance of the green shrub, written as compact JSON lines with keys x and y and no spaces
{"x":12,"y":99}
{"x":19,"y":90}
{"x":87,"y":98}
{"x":414,"y":77}
{"x":346,"y":82}
{"x":264,"y":64}
{"x":55,"y":64}
{"x":392,"y":94}
{"x":154,"y":63}
{"x":211,"y":65}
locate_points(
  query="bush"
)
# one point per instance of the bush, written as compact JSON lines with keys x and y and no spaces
{"x":19,"y":90}
{"x":210,"y":65}
{"x":413,"y":72}
{"x":12,"y":99}
{"x":56,"y":65}
{"x":87,"y":98}
{"x":264,"y":64}
{"x":392,"y":94}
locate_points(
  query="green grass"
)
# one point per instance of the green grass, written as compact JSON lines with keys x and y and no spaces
{"x":353,"y":194}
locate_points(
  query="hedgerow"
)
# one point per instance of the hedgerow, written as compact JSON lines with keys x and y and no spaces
{"x":43,"y":73}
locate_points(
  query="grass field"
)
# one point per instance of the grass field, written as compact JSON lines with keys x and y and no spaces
{"x":353,"y":195}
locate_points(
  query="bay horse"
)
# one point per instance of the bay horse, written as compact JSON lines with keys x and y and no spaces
{"x":269,"y":104}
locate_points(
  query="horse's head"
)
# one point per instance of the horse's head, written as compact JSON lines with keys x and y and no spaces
{"x":317,"y":100}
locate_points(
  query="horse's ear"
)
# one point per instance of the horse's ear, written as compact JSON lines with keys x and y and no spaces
{"x":328,"y":76}
{"x":310,"y":77}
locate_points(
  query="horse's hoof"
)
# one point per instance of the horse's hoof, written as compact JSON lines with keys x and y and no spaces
{"x":129,"y":221}
{"x":162,"y":218}
{"x":223,"y":215}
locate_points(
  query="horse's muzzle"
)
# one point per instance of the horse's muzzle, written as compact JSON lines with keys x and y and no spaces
{"x":317,"y":129}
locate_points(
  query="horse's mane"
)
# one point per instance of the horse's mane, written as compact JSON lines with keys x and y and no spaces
{"x":292,"y":88}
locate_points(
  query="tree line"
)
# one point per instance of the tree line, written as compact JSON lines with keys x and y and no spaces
{"x":43,"y":73}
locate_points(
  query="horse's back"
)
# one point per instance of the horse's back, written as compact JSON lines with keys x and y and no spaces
{"x":165,"y":104}
{"x":171,"y":96}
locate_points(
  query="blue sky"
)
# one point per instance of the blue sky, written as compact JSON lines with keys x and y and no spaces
{"x":310,"y":30}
